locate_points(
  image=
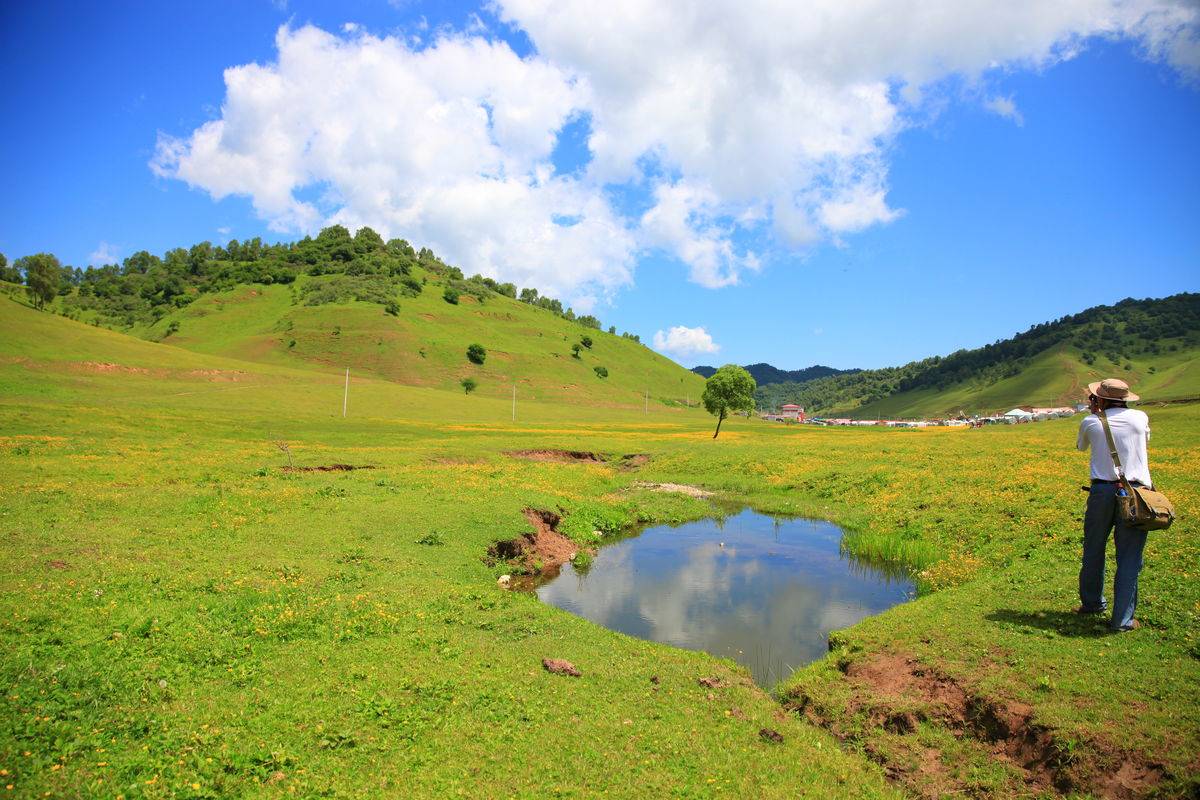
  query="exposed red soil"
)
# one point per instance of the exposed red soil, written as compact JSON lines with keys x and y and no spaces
{"x":218,"y":374}
{"x":634,"y":460}
{"x":330,"y":468}
{"x":566,"y":456}
{"x":57,"y":564}
{"x":896,"y":693}
{"x":542,"y":551}
{"x":771,"y":735}
{"x":101,"y":366}
{"x":560,"y":666}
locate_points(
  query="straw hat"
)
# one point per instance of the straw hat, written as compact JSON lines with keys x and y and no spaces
{"x":1112,"y":389}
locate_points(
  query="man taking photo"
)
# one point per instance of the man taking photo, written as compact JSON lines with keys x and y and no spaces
{"x":1130,"y":432}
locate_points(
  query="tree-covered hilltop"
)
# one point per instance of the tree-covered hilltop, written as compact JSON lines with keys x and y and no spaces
{"x":144,"y":287}
{"x":764,"y":373}
{"x":1100,"y":339}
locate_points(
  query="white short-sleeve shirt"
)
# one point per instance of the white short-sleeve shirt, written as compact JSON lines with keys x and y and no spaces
{"x":1131,"y":432}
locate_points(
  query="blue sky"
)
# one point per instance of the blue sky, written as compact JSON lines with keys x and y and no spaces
{"x":939,"y":198}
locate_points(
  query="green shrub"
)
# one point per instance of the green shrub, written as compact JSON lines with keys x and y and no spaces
{"x":586,"y":341}
{"x":339,"y":288}
{"x":392,"y":308}
{"x":468,"y":385}
{"x":450,"y":296}
{"x":601,"y":371}
{"x":575,"y":348}
{"x":476,"y":354}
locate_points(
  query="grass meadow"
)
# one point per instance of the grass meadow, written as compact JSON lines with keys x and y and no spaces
{"x":180,"y":616}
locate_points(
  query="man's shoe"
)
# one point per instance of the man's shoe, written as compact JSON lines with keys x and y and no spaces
{"x":1133,"y":626}
{"x":1084,"y":610}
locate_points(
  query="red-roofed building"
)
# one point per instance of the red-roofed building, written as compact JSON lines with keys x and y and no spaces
{"x":792,"y":411}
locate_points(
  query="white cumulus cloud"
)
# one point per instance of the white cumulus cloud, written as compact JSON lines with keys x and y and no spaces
{"x":684,"y":342}
{"x":448,"y":146}
{"x":751,"y":128}
{"x":787,"y":110}
{"x":1005,"y":107}
{"x":104,"y":254}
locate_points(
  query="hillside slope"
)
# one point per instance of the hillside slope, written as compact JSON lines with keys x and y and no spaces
{"x":47,"y":358}
{"x":425,"y":344}
{"x":379,"y":308}
{"x":1153,"y":344}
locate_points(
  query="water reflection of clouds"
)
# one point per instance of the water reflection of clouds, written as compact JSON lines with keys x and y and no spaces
{"x":767,"y":598}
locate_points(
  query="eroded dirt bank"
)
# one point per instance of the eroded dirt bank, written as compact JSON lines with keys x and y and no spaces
{"x":896,"y":709}
{"x":541,"y":552}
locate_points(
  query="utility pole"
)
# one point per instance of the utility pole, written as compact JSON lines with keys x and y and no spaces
{"x":346,"y":395}
{"x":514,"y":402}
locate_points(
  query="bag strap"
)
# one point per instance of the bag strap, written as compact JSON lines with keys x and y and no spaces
{"x":1112,"y":448}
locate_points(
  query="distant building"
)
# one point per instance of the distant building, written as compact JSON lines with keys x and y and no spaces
{"x":791,"y":411}
{"x":787,"y":413}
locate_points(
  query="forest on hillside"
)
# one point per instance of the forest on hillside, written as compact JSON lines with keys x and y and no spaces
{"x":764,"y":373}
{"x":144,"y":287}
{"x":1109,"y":335}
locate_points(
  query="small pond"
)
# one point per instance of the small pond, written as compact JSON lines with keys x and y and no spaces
{"x":761,"y":590}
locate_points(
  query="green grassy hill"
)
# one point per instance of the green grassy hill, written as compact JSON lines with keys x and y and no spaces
{"x":1152,"y":344}
{"x":425,"y":344}
{"x":1055,"y":377}
{"x":383,"y":309}
{"x":49,"y":357}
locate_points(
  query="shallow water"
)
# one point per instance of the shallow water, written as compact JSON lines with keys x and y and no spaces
{"x":760,"y":590}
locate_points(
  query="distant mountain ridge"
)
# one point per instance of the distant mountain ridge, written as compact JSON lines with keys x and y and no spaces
{"x":764,"y":373}
{"x":1154,"y":344}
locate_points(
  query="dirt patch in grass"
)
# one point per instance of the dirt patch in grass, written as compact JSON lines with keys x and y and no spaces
{"x":218,"y":374}
{"x":563,"y":456}
{"x":541,"y":552}
{"x":635,"y":460}
{"x":677,"y":488}
{"x":330,"y":468}
{"x":453,"y":461}
{"x":897,"y":694}
{"x":103,"y":366}
{"x":560,"y":666}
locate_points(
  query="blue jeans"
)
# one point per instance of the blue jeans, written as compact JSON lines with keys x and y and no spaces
{"x":1100,"y":518}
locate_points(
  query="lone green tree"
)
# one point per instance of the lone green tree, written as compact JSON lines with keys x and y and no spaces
{"x":729,"y":389}
{"x":42,"y":276}
{"x":476,"y":354}
{"x":7,"y":273}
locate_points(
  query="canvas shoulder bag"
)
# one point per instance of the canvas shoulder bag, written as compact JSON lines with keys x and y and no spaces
{"x":1137,"y":506}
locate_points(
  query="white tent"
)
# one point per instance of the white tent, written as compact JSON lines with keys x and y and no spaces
{"x":1019,"y":414}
